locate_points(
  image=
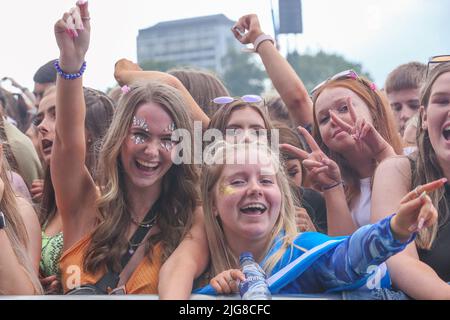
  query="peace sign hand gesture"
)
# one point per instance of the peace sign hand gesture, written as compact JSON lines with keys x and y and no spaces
{"x":364,"y":134}
{"x":72,"y":34}
{"x":323,"y":172}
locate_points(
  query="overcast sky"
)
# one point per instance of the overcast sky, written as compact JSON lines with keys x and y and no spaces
{"x":380,"y":34}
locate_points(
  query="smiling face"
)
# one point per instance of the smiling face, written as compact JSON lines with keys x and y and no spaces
{"x":45,"y":121}
{"x":436,"y":118}
{"x":245,"y":125}
{"x":146,"y":151}
{"x":335,"y":99}
{"x":247,"y":199}
{"x":405,"y":104}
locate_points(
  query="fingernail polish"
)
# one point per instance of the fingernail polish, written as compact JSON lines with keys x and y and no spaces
{"x":421,"y":223}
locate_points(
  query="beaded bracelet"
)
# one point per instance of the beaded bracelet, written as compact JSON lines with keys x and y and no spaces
{"x":69,"y":76}
{"x":334,"y":185}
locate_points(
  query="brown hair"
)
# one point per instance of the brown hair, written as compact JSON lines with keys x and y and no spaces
{"x":203,"y":86}
{"x":383,"y":122}
{"x":407,"y":76}
{"x":427,"y":167}
{"x":177,"y":200}
{"x":221,"y":118}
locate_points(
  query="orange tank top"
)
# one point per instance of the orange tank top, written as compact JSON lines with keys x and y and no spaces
{"x":144,"y":279}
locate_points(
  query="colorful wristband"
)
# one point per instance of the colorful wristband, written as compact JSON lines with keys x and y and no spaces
{"x":69,"y":76}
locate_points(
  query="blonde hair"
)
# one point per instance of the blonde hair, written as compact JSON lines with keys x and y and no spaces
{"x":15,"y":229}
{"x":222,"y":258}
{"x":383,"y":122}
{"x":427,"y":167}
{"x":178,"y":198}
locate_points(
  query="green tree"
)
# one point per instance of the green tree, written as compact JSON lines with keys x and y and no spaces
{"x":241,"y":73}
{"x":313,"y":69}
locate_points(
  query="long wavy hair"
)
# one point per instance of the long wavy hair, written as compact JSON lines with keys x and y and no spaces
{"x":15,"y":228}
{"x":383,"y":122}
{"x":179,"y":194}
{"x":427,"y":167}
{"x":222,"y":258}
{"x":99,"y":113}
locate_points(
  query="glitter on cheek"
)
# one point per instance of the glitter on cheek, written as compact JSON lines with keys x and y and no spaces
{"x":227,"y":190}
{"x":137,"y":139}
{"x":167,"y":145}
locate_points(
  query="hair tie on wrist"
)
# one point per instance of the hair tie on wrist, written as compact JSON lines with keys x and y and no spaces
{"x":334,"y":185}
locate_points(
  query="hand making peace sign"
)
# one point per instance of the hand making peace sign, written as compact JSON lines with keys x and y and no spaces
{"x":323,"y":172}
{"x":367,"y":137}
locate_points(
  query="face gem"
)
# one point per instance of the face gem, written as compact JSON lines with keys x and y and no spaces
{"x":137,"y":139}
{"x":171,"y":127}
{"x":140,"y":123}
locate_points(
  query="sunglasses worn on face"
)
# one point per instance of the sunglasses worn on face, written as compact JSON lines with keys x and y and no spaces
{"x":436,"y":60}
{"x":347,"y":74}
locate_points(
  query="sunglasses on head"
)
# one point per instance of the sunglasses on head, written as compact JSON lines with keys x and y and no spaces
{"x":347,"y":74}
{"x":250,"y":98}
{"x":436,"y":60}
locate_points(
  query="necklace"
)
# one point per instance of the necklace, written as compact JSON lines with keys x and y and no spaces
{"x":144,"y":224}
{"x":133,"y":246}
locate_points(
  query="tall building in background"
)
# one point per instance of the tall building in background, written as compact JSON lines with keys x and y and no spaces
{"x":199,"y":42}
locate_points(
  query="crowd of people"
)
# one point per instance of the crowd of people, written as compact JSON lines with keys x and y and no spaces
{"x":339,"y":190}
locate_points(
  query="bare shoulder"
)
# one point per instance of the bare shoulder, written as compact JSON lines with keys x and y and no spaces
{"x":395,"y":169}
{"x":27,"y":212}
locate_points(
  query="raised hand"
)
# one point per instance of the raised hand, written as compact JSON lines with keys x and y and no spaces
{"x":249,"y":23}
{"x":416,"y":211}
{"x":303,"y":220}
{"x":367,"y":137}
{"x":227,"y":281}
{"x":322,"y":171}
{"x":72,"y":34}
{"x":122,"y":66}
{"x":37,"y":189}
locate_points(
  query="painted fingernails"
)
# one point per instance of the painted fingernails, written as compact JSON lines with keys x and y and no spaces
{"x":420,"y":224}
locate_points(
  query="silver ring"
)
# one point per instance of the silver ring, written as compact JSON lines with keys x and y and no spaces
{"x":85,"y":18}
{"x":416,"y":191}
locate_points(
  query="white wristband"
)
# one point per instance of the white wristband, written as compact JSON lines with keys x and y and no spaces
{"x":261,"y":38}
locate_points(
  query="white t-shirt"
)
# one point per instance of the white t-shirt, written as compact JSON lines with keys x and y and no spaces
{"x":361,"y":209}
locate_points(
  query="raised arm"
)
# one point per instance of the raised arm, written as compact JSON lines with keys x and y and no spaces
{"x":74,"y":189}
{"x":188,"y":261}
{"x":326,"y":177}
{"x":386,"y":194}
{"x":285,"y":80}
{"x":371,"y":245}
{"x":126,"y":72}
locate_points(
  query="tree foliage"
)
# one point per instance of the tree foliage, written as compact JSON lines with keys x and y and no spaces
{"x":313,"y":69}
{"x":242,"y":75}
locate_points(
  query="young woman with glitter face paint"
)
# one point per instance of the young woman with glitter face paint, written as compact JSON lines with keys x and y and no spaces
{"x":135,"y":177}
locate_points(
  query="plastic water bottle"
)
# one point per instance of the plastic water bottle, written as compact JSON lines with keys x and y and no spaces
{"x":255,"y":286}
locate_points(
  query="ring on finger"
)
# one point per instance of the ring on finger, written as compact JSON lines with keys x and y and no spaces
{"x":416,"y":191}
{"x":85,"y":18}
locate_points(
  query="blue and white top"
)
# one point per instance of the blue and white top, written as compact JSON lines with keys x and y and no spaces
{"x":321,"y":264}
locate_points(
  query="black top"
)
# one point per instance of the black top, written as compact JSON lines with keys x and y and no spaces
{"x":438,"y":258}
{"x":315,"y":205}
